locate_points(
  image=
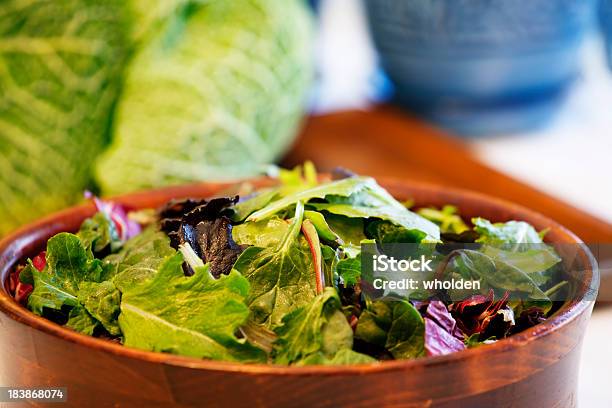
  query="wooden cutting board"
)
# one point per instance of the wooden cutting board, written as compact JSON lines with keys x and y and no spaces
{"x":385,"y":142}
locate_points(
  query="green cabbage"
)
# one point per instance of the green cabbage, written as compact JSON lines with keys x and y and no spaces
{"x":215,"y":91}
{"x":60,"y":63}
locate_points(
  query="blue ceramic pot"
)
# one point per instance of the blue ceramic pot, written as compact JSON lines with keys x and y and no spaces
{"x":606,"y":24}
{"x":481,"y":66}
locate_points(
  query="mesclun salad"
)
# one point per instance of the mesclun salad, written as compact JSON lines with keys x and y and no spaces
{"x":276,"y":276}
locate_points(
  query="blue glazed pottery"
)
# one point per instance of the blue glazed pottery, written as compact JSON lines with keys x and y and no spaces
{"x":606,"y":25}
{"x":481,"y":66}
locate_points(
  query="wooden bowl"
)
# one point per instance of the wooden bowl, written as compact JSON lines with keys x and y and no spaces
{"x":535,"y":368}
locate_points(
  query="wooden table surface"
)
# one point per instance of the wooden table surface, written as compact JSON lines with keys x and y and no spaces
{"x":385,"y":142}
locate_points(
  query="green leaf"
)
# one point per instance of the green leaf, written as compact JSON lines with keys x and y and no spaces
{"x":60,"y":66}
{"x":385,"y":232}
{"x":349,"y":269}
{"x":331,"y":258}
{"x":81,"y":321}
{"x":68,"y":264}
{"x":281,"y":276}
{"x":395,"y":325}
{"x":262,"y":233}
{"x":102,"y":301}
{"x":194,"y":316}
{"x":355,"y":197}
{"x":518,"y":244}
{"x":99,"y":232}
{"x":139,"y":259}
{"x":246,"y":207}
{"x":342,"y":357}
{"x":538,"y":262}
{"x":343,"y":188}
{"x":319,"y":327}
{"x":350,"y":230}
{"x":447,"y":219}
{"x":226,"y":79}
{"x":323,"y":229}
{"x":511,"y":232}
{"x":301,"y":177}
{"x":497,"y":274}
{"x":372,"y":201}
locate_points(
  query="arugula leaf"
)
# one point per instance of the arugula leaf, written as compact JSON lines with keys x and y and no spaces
{"x":262,"y":233}
{"x":195,"y":316}
{"x":68,"y":264}
{"x":395,"y":325}
{"x":319,"y":327}
{"x":281,"y":276}
{"x":102,"y":300}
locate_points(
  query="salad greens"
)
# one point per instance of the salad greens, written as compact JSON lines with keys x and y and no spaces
{"x":278,"y":277}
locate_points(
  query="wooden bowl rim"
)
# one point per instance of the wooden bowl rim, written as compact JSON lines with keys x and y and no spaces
{"x":21,"y":314}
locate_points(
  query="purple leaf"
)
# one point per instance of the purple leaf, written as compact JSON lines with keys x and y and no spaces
{"x":438,"y":341}
{"x":442,"y":336}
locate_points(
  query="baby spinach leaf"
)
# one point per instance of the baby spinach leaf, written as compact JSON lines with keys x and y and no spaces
{"x":189,"y":315}
{"x":395,"y":325}
{"x":281,"y":276}
{"x":319,"y":327}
